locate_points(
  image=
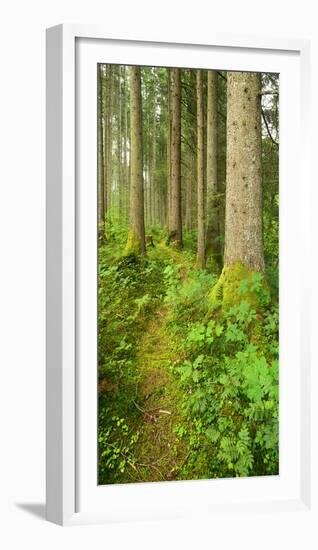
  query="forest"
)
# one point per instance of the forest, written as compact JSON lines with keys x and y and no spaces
{"x":188,"y":264}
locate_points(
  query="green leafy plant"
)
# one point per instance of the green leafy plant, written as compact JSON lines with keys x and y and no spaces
{"x":116,"y":446}
{"x":231,"y":386}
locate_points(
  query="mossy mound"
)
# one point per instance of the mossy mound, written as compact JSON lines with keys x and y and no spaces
{"x":134,"y":244}
{"x":229,"y":291}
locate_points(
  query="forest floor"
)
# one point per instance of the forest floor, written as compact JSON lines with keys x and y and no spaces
{"x":154,"y":406}
{"x":159,"y":453}
{"x":167,"y":365}
{"x":159,"y":399}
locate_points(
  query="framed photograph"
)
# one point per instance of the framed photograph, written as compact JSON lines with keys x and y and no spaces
{"x":178,"y":199}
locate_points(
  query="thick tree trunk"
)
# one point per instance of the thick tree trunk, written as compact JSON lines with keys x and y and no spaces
{"x":101,"y":205}
{"x":200,"y":172}
{"x":243,"y":211}
{"x":243,"y":254}
{"x":175,"y":160}
{"x":213,"y":229}
{"x":136,"y":236}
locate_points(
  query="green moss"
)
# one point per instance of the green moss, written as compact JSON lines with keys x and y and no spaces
{"x":225,"y":292}
{"x":134,"y":244}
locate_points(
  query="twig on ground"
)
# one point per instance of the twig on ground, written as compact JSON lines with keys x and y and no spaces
{"x":142,"y":410}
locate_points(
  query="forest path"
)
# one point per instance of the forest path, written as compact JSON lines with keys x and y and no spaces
{"x":159,"y":453}
{"x":158,"y":398}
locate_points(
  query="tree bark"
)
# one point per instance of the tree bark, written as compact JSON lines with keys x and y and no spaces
{"x":175,"y":160}
{"x":109,"y":135}
{"x":243,"y":211}
{"x":153,"y":165}
{"x":125,"y":153}
{"x":101,"y":205}
{"x":169,"y":150}
{"x":213,"y":229}
{"x":104,"y":132}
{"x":119,"y":151}
{"x":136,"y":236}
{"x":201,"y":259}
{"x":148,"y":172}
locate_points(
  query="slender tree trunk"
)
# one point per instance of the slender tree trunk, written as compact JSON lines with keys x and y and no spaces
{"x":149,"y":174}
{"x":136,"y":236}
{"x":175,"y":160}
{"x":243,"y":211}
{"x":169,"y":151}
{"x":125,"y":153}
{"x":213,"y":245}
{"x":189,"y":193}
{"x":128,"y":143}
{"x":109,"y":130}
{"x":148,"y":191}
{"x":104,"y":133}
{"x":153,"y":165}
{"x":119,"y":151}
{"x":200,"y":172}
{"x":162,"y":159}
{"x":101,"y":206}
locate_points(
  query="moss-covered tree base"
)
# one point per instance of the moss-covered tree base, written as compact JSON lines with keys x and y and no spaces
{"x":228,"y":291}
{"x":134,"y":245}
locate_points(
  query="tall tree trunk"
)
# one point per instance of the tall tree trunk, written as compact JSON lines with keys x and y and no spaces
{"x":243,"y":253}
{"x":109,"y":134}
{"x":169,"y":150}
{"x":243,"y":217}
{"x":189,"y":192}
{"x":101,"y":205}
{"x":175,"y":161}
{"x":104,"y":132}
{"x":153,"y":165}
{"x":148,"y":171}
{"x":213,"y":244}
{"x":125,"y":154}
{"x":119,"y":151}
{"x":136,"y":236}
{"x":200,"y":172}
{"x":128,"y":143}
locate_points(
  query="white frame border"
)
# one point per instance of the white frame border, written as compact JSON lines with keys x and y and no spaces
{"x":61,"y":380}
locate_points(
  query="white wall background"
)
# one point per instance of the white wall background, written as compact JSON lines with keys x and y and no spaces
{"x":22,"y":184}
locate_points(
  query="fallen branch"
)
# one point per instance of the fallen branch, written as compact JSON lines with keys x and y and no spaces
{"x":142,"y":410}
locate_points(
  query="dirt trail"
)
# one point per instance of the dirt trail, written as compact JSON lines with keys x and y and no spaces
{"x":158,"y":398}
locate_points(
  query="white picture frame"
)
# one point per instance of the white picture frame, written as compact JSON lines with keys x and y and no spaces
{"x":73,"y":496}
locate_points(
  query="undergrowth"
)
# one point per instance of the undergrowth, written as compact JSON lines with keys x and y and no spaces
{"x":226,"y":366}
{"x":230,"y":381}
